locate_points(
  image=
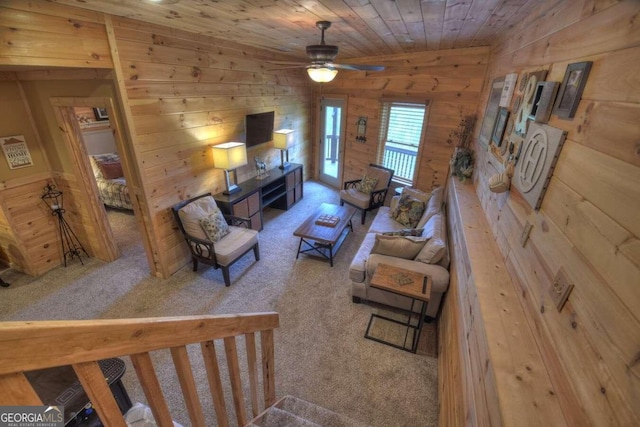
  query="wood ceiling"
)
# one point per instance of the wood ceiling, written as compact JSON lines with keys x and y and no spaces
{"x":360,"y":27}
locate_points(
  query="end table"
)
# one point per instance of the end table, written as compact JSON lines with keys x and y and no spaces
{"x":411,"y":284}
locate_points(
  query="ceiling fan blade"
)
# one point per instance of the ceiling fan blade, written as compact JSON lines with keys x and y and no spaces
{"x":304,"y":64}
{"x":357,"y":67}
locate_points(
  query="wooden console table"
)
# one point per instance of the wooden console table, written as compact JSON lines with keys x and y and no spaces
{"x":281,"y":189}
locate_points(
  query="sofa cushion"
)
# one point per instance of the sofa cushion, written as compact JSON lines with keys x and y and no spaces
{"x":434,"y":205}
{"x":434,"y":249}
{"x":409,"y":211}
{"x":383,"y":222}
{"x":398,"y":246}
{"x":367,"y":184}
{"x":215,"y":226}
{"x":357,"y":270}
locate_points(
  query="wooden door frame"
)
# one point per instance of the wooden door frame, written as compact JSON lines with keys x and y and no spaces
{"x":342,"y":150}
{"x":63,"y":107}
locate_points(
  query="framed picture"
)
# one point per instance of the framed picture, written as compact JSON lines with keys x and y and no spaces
{"x":491,"y":111}
{"x":101,"y":113}
{"x":575,"y":78}
{"x":498,"y":129}
{"x":16,"y":151}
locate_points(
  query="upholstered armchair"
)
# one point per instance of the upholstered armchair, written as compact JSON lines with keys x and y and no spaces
{"x":369,"y":192}
{"x":214,"y":238}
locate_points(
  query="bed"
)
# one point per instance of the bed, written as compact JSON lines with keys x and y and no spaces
{"x":112,"y":185}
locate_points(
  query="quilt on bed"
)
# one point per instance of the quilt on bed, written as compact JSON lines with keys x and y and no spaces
{"x":111,"y":184}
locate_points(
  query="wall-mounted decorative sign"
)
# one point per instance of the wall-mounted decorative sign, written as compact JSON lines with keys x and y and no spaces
{"x":575,"y":78}
{"x":507,"y":91}
{"x":16,"y":151}
{"x":491,"y":111}
{"x":540,"y":152}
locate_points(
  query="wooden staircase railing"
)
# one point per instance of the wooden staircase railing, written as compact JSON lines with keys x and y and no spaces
{"x":26,"y":346}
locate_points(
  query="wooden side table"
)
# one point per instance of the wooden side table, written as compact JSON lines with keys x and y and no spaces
{"x":407,"y":283}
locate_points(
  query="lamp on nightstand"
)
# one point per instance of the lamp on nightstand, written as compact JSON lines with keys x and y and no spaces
{"x":283,"y":139}
{"x":230,"y":156}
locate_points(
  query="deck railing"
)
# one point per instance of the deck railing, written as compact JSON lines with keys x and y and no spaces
{"x":401,"y":160}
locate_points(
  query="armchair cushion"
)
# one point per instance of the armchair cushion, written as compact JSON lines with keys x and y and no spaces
{"x":384,"y":177}
{"x":190,"y":218}
{"x":215,"y":226}
{"x":355,"y":197}
{"x":367,"y":184}
{"x":409,"y":211}
{"x":233,"y":245}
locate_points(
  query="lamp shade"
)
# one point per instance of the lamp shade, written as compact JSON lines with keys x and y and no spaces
{"x":229,"y":155}
{"x":322,"y":74}
{"x":283,"y":139}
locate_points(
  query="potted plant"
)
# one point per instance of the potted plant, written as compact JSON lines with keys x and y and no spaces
{"x":462,"y":159}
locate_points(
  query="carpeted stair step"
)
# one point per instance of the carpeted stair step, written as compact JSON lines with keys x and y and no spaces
{"x":276,"y":417}
{"x":316,"y":414}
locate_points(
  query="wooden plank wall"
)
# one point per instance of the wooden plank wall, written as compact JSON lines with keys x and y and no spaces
{"x":182,"y":93}
{"x":185,"y":93}
{"x":588,"y":223}
{"x":28,"y":231}
{"x":451,"y":80}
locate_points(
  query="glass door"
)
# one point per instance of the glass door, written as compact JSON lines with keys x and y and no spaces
{"x":332,"y":113}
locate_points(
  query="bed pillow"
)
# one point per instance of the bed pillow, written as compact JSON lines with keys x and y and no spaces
{"x":111,"y":170}
{"x":215,"y":226}
{"x":405,"y":247}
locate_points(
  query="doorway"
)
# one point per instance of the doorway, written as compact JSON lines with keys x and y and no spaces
{"x":96,"y":222}
{"x":332,"y":125}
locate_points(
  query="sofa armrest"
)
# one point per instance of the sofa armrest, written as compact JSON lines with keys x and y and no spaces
{"x":439,"y":275}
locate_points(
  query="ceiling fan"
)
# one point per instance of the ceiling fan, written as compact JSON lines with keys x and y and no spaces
{"x":322,"y":68}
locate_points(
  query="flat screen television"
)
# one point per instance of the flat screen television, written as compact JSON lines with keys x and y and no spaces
{"x":259,"y":128}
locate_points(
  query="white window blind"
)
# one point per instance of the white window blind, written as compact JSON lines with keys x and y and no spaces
{"x":401,"y":128}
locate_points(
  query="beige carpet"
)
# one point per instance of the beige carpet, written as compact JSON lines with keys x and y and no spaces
{"x":321,"y":353}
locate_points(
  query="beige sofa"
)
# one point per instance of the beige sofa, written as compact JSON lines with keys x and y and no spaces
{"x":432,"y":259}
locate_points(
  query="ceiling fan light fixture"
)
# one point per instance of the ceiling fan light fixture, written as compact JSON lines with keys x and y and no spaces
{"x":322,"y":74}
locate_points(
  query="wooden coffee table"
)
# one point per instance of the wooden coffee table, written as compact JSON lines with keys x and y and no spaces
{"x":324,"y":240}
{"x":407,"y":283}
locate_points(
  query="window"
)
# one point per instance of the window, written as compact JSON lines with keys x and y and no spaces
{"x":401,"y":129}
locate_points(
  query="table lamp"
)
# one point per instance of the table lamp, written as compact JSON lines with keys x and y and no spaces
{"x":283,"y":139}
{"x":229,"y":156}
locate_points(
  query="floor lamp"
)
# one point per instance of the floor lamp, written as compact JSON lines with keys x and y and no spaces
{"x":283,"y":140}
{"x":71,"y":246}
{"x":230,"y":156}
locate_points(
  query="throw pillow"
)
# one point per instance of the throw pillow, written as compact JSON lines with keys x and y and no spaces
{"x":215,"y":226}
{"x":111,"y":170}
{"x":432,"y":252}
{"x":409,"y":211}
{"x":415,"y":232}
{"x":405,"y":247}
{"x":367,"y":184}
{"x":416,"y":194}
